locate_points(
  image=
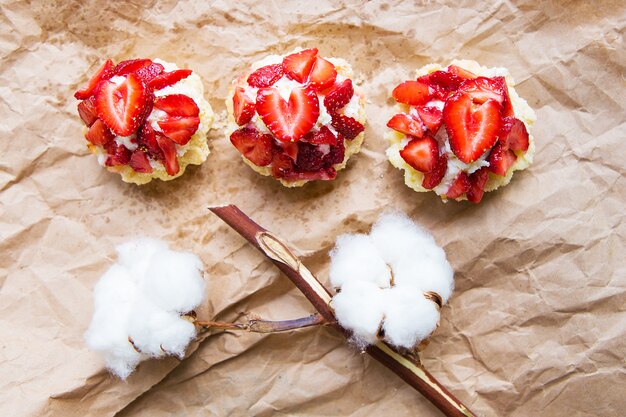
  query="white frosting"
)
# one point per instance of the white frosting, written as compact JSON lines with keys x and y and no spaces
{"x":127,"y":141}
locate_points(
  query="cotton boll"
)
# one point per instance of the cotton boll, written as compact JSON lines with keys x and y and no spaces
{"x":356,"y":258}
{"x":173,"y":281}
{"x":409,"y":317}
{"x":136,"y":254}
{"x":425,"y":274}
{"x":359,"y":307}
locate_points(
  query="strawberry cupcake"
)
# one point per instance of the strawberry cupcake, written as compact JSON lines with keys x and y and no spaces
{"x":145,"y":119}
{"x":297,"y":117}
{"x":462,"y":130}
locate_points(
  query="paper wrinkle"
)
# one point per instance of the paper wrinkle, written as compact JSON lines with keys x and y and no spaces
{"x":536,"y":325}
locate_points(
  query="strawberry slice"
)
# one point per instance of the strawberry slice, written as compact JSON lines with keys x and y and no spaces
{"x":282,"y":165}
{"x":168,"y":78}
{"x":179,"y":128}
{"x":117,"y":154}
{"x":298,"y":66}
{"x":460,"y":72}
{"x":256,"y":148}
{"x":442,"y":79}
{"x":348,"y":126}
{"x":170,"y":158}
{"x":406,"y":124}
{"x":501,"y":159}
{"x":421,"y":153}
{"x":482,"y":89}
{"x":87,"y":111}
{"x":122,"y":107}
{"x":310,"y":157}
{"x":150,"y":72}
{"x":323,"y":74}
{"x":131,"y":65}
{"x":146,"y":138}
{"x":321,"y":137}
{"x":290,"y":149}
{"x":431,"y":116}
{"x":477,"y":185}
{"x":502,"y":86}
{"x":336,"y":154}
{"x":288,"y":121}
{"x":177,"y":105}
{"x":471,"y":132}
{"x":412,"y":92}
{"x":459,"y":186}
{"x":104,"y":73}
{"x":243,"y":107}
{"x":434,"y":177}
{"x":513,"y":134}
{"x":99,"y":134}
{"x":339,"y":96}
{"x":266,"y":76}
{"x":139,"y":162}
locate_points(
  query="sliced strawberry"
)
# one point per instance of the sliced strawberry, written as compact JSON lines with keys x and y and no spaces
{"x":146,"y":138}
{"x":421,"y":153}
{"x":431,"y":116}
{"x":434,"y":177}
{"x":255,"y":147}
{"x":150,"y":72}
{"x":131,"y":65}
{"x":339,"y":96}
{"x":179,"y":128}
{"x":139,"y":162}
{"x":290,"y":149}
{"x":336,"y":154}
{"x":443,"y":79}
{"x":406,"y":124}
{"x":288,"y":121}
{"x":482,"y":89}
{"x":282,"y":165}
{"x":310,"y":157}
{"x":99,"y":134}
{"x":104,"y":73}
{"x":348,"y":126}
{"x":243,"y":107}
{"x":459,"y":186}
{"x":412,"y":92}
{"x":168,"y":78}
{"x":170,"y":158}
{"x":507,"y":106}
{"x":177,"y":105}
{"x":87,"y":111}
{"x":117,"y":154}
{"x":321,"y":137}
{"x":460,"y":72}
{"x":471,"y":132}
{"x":513,"y":134}
{"x":477,"y":185}
{"x":122,"y":107}
{"x":298,"y":66}
{"x":501,"y":159}
{"x":323,"y":74}
{"x":266,"y":76}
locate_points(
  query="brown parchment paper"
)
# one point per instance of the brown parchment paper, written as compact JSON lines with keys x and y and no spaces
{"x":537,"y":325}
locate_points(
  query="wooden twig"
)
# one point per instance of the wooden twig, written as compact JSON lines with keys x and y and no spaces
{"x":265,"y":326}
{"x":405,"y":366}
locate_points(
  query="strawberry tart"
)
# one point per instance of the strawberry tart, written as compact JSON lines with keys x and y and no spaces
{"x":145,"y":119}
{"x":462,"y":130}
{"x":297,"y":117}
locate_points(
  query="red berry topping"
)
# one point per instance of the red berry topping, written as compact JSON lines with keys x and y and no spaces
{"x":336,"y":154}
{"x":146,"y":138}
{"x":339,"y":96}
{"x":282,"y":165}
{"x":87,"y":111}
{"x":434,"y":177}
{"x":288,"y":121}
{"x":139,"y":162}
{"x":442,"y":79}
{"x":180,"y":129}
{"x":431,"y":116}
{"x":471,"y":131}
{"x":122,"y":107}
{"x":298,"y":66}
{"x":501,"y":159}
{"x":323,"y":74}
{"x":131,"y":65}
{"x":104,"y":73}
{"x":170,"y":159}
{"x":406,"y":124}
{"x":266,"y":76}
{"x":117,"y":154}
{"x":255,"y":147}
{"x":310,"y":157}
{"x":477,"y":185}
{"x":177,"y":105}
{"x":150,"y":72}
{"x":243,"y":107}
{"x":349,"y":127}
{"x":460,"y":72}
{"x":513,"y":134}
{"x":482,"y":89}
{"x":412,"y":93}
{"x":168,"y":78}
{"x":321,"y":137}
{"x":99,"y":134}
{"x":459,"y":186}
{"x":421,"y":153}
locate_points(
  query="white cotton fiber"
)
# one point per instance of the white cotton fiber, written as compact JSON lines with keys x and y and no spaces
{"x":418,"y":265}
{"x":142,"y":297}
{"x":356,"y":258}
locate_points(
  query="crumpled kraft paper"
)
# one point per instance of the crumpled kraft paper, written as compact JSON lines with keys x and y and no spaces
{"x":537,"y":325}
